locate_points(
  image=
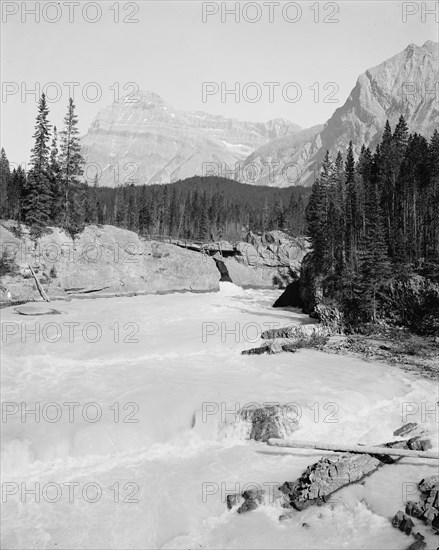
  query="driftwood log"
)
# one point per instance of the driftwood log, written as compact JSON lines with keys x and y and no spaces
{"x":371,"y":450}
{"x":40,"y":288}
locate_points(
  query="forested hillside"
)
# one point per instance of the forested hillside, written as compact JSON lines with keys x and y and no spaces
{"x":374,"y":228}
{"x":54,"y":192}
{"x":200,"y":208}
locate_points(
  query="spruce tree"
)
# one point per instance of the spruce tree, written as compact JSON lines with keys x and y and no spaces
{"x":203,"y":227}
{"x":92,"y":204}
{"x":17,"y":184}
{"x":351,"y":208}
{"x":5,"y":178}
{"x":38,"y":196}
{"x":132,"y":214}
{"x":433,"y":197}
{"x":72,"y":169}
{"x":54,"y":173}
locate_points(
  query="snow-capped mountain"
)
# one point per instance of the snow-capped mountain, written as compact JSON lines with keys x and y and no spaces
{"x":149,"y":141}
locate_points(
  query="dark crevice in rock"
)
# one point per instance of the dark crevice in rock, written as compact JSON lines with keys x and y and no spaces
{"x":225,"y":277}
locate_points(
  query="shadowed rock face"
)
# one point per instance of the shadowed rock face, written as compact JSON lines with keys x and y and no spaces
{"x":402,"y":85}
{"x":152,"y":142}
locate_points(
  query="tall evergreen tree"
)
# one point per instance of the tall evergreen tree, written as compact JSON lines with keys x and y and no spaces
{"x":54,"y":174}
{"x":17,"y":184}
{"x":38,"y":196}
{"x":72,"y":169}
{"x":92,"y":204}
{"x":5,"y":178}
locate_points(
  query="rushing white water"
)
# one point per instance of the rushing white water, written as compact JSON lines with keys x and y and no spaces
{"x":176,"y":369}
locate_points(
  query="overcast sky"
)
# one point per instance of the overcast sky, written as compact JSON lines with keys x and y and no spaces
{"x":172,"y":51}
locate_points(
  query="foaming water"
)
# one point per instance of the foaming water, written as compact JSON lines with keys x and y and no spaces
{"x":168,"y":447}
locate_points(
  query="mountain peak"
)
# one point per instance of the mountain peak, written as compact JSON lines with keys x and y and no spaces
{"x":143,"y":96}
{"x":400,"y":85}
{"x":431,"y":46}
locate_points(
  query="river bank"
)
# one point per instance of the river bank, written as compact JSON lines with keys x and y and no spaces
{"x":410,"y":352}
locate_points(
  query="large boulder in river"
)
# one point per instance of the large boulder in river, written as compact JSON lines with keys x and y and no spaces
{"x":270,"y":421}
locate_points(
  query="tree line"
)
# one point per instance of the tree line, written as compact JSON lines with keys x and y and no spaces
{"x":54,"y":192}
{"x":374,"y":222}
{"x":200,"y":208}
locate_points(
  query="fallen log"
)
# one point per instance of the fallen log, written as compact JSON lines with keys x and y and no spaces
{"x":370,"y":450}
{"x":40,"y":288}
{"x":86,"y":290}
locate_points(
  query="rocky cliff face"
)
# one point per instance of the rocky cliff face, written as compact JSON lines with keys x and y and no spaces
{"x":143,"y":139}
{"x":100,"y":261}
{"x":405,"y":84}
{"x":270,"y":259}
{"x":109,"y":261}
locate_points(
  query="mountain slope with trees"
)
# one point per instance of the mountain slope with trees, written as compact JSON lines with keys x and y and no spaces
{"x":374,"y":230}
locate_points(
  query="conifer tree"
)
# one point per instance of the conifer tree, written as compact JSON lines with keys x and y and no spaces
{"x":132,"y":214}
{"x":432,"y":198}
{"x":54,"y":174}
{"x":5,"y":178}
{"x":203,"y":227}
{"x":351,"y":207}
{"x":92,"y":204}
{"x":144,"y":213}
{"x":72,"y":169}
{"x":17,"y":183}
{"x":37,"y":195}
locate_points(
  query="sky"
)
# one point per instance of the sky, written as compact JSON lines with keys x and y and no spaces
{"x":311,"y":52}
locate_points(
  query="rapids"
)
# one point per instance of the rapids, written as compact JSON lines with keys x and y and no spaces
{"x":133,"y":403}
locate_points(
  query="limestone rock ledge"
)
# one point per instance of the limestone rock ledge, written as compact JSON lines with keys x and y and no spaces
{"x":102,"y":260}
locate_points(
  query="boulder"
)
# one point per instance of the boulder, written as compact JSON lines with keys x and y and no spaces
{"x":406,"y":429}
{"x":402,"y":522}
{"x":278,"y":421}
{"x":252,"y":499}
{"x":427,"y":509}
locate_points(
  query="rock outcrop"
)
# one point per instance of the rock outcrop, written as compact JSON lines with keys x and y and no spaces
{"x":306,"y":293}
{"x":427,"y":508}
{"x":278,"y":421}
{"x":100,"y":261}
{"x":274,"y":259}
{"x":325,"y":477}
{"x":108,"y":261}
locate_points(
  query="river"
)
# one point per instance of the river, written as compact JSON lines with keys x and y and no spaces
{"x":133,"y":444}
